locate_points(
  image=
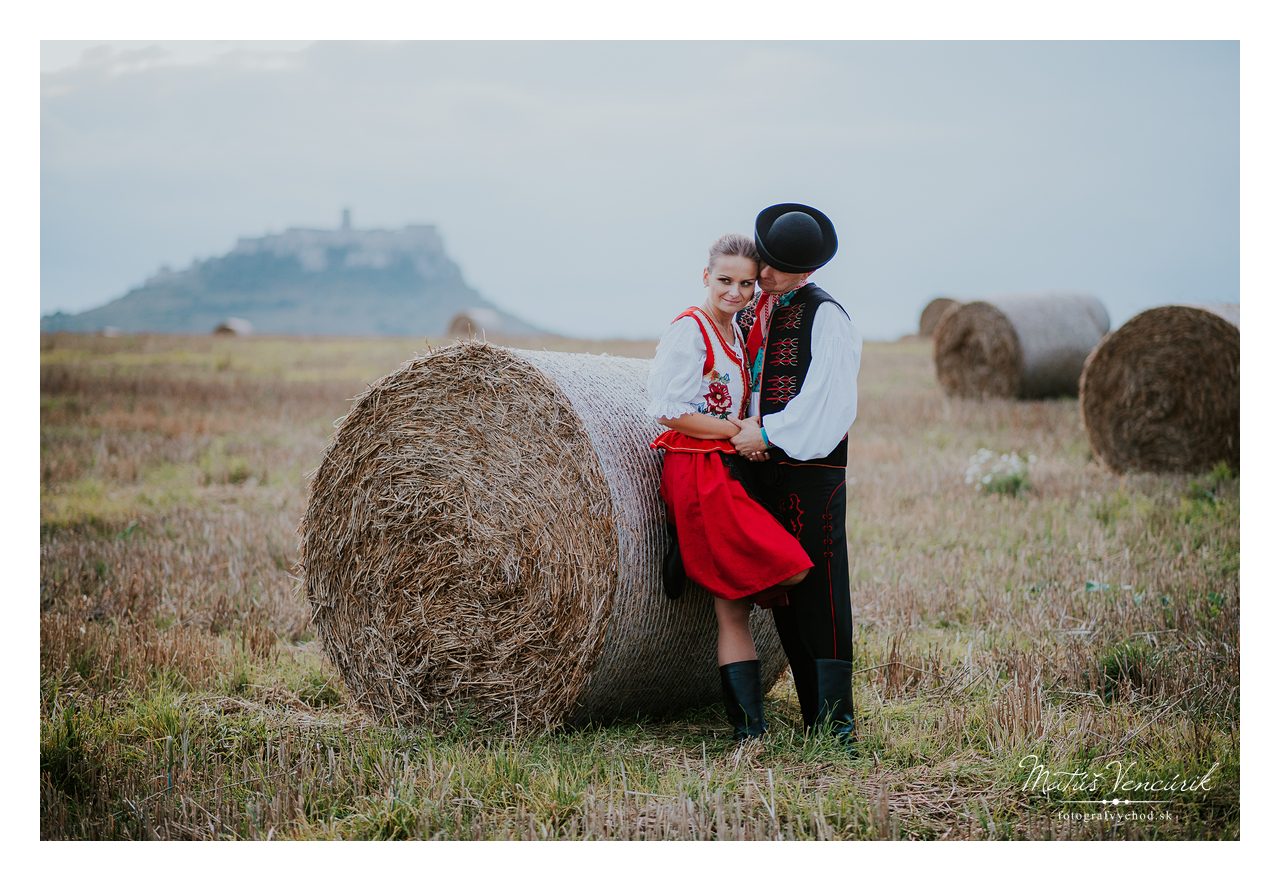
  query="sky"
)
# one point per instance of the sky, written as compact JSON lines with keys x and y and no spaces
{"x":579,"y":184}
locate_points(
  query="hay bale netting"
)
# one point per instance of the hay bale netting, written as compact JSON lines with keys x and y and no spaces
{"x":1162,"y":393}
{"x":1017,"y":346}
{"x":932,"y":313}
{"x":485,"y":531}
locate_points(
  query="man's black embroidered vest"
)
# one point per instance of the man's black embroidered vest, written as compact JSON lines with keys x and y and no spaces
{"x":788,"y":351}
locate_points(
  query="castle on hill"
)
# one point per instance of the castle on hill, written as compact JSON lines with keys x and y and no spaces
{"x":339,"y":282}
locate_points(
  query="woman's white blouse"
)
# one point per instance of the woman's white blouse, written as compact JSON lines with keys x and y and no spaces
{"x":676,"y":383}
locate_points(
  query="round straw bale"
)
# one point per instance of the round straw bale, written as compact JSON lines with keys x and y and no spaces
{"x":475,"y":322}
{"x":484,"y":532}
{"x":1017,"y":345}
{"x":1162,"y":393}
{"x":932,"y":312}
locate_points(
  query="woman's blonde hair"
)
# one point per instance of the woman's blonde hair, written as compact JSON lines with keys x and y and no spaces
{"x":733,"y":244}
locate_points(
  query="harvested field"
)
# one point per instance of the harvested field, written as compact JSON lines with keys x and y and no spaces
{"x":1072,"y":615}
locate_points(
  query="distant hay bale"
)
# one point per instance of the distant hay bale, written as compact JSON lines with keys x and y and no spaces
{"x":475,"y":322}
{"x":485,"y":531}
{"x":234,"y":327}
{"x":1162,"y":393}
{"x":932,"y":313}
{"x":1017,"y":345}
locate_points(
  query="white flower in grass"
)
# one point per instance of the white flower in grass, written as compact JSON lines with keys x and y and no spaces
{"x":982,"y":472}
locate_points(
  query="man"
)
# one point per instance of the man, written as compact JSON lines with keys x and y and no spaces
{"x":804,"y":354}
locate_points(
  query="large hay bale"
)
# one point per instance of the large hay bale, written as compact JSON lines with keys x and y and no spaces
{"x":1162,"y":393}
{"x":932,"y":313}
{"x":485,"y":530}
{"x":1017,"y":345}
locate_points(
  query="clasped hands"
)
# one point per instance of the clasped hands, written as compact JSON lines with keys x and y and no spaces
{"x":749,"y":441}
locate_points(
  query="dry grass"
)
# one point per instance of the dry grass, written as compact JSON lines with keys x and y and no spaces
{"x":1089,"y":619}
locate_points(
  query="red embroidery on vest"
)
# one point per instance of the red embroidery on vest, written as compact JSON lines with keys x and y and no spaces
{"x":747,"y":316}
{"x":788,"y":318}
{"x":781,"y":389}
{"x":796,"y":513}
{"x":785,"y":352}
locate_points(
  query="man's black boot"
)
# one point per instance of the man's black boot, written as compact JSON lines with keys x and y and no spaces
{"x":672,"y":567}
{"x":743,"y":698}
{"x":835,"y":700}
{"x":806,"y":684}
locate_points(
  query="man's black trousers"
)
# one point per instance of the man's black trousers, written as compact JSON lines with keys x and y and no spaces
{"x":809,"y":500}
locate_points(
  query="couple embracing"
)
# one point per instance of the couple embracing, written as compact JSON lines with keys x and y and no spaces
{"x":757,"y":392}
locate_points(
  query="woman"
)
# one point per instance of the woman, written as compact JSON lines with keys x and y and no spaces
{"x":728,"y":543}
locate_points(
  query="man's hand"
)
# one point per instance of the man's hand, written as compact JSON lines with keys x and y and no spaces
{"x":748,"y":441}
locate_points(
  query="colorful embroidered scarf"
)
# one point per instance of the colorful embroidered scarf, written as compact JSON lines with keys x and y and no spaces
{"x":760,"y":332}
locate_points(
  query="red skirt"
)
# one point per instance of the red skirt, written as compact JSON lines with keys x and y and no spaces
{"x":729,"y":543}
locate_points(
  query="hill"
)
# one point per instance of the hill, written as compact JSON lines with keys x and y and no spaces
{"x":342,"y":282}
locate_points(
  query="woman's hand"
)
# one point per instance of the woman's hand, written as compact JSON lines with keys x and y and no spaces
{"x":749,"y":442}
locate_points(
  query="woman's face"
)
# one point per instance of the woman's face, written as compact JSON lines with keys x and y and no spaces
{"x":731,"y":283}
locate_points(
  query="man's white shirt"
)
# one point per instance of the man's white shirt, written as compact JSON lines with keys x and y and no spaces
{"x":813,"y":422}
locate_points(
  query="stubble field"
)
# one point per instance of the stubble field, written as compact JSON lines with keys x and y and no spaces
{"x":1023,"y":656}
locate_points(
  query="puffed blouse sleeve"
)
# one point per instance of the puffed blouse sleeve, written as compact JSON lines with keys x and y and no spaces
{"x":675,"y":376}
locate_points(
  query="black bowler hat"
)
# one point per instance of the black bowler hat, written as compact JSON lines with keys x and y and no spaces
{"x":795,"y":238}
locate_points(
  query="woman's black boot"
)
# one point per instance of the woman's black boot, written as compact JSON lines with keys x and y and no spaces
{"x":835,"y":700}
{"x":743,"y":698}
{"x":673,"y":575}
